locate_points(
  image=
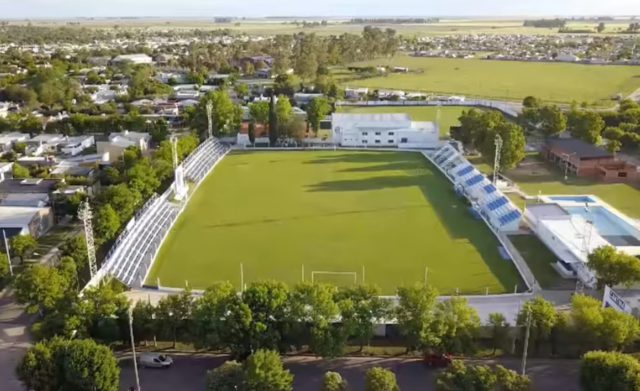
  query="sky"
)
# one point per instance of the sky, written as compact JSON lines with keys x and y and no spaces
{"x":257,"y":8}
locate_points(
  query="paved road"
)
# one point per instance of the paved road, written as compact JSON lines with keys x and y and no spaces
{"x":189,"y":373}
{"x":14,"y":340}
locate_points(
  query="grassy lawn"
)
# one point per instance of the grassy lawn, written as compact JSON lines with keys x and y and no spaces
{"x":510,"y":80}
{"x":539,"y":258}
{"x":336,"y":211}
{"x":448,"y":115}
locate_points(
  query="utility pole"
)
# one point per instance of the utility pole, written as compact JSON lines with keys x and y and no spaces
{"x":133,"y":348}
{"x":85,"y":215}
{"x":526,"y":343}
{"x":6,"y":247}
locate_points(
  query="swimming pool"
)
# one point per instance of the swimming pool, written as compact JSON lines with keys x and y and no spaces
{"x":580,"y":199}
{"x":615,"y":230}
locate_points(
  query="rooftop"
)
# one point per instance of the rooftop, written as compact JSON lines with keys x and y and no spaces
{"x":27,"y":186}
{"x":581,"y":149}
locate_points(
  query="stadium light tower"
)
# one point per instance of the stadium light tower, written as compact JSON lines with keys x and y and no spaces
{"x":85,"y":215}
{"x":210,"y":119}
{"x":496,"y":160}
{"x":179,"y":186}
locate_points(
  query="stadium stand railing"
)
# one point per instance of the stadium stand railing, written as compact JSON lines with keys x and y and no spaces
{"x":131,"y":257}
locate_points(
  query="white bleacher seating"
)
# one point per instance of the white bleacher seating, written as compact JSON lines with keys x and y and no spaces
{"x":134,"y":252}
{"x":492,"y":203}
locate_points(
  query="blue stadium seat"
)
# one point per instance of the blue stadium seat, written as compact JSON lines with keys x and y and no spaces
{"x":493,"y":205}
{"x":464,"y":171}
{"x":490,"y":189}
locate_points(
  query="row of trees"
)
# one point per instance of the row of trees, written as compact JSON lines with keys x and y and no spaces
{"x":614,"y":267}
{"x":479,"y":130}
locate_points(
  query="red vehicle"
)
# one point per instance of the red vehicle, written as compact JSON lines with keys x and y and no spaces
{"x":437,"y":360}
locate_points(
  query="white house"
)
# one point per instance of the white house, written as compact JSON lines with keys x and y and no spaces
{"x":45,"y":143}
{"x":383,"y":130}
{"x":118,"y":142}
{"x":18,"y":220}
{"x":139,"y":58}
{"x":7,"y":140}
{"x":4,"y":109}
{"x":75,"y":145}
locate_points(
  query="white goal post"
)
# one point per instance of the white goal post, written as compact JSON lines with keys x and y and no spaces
{"x":314,"y":273}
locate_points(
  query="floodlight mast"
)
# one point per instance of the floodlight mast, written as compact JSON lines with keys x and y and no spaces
{"x":174,"y":151}
{"x":85,"y":215}
{"x":496,"y":161}
{"x":209,"y":119}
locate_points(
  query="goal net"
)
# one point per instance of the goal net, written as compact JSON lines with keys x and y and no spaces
{"x":334,"y":278}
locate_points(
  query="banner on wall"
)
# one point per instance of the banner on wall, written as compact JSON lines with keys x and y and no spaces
{"x":613,"y":300}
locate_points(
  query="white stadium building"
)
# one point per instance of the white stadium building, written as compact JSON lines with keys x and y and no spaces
{"x":383,"y":130}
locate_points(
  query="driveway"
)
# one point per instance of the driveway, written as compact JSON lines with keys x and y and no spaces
{"x":189,"y":372}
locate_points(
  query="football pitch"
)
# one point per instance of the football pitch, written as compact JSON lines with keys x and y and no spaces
{"x":385,"y":218}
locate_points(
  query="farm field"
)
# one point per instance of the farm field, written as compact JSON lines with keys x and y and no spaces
{"x":448,"y":114}
{"x":379,"y":216}
{"x":338,"y":26}
{"x":505,"y":80}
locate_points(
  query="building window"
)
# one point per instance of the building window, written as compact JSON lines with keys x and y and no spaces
{"x":364,"y":141}
{"x":622,"y":175}
{"x":391,"y":133}
{"x":365,"y":133}
{"x":377,"y":141}
{"x":378,"y":133}
{"x":390,"y":141}
{"x":404,"y":140}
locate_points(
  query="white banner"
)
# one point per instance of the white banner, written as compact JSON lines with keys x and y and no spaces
{"x":613,"y":300}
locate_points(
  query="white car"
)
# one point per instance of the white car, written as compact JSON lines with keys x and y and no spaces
{"x":155,"y":360}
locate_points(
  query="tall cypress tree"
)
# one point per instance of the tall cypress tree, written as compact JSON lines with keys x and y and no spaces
{"x":273,"y":120}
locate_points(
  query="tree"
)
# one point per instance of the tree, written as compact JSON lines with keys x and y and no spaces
{"x":23,"y":246}
{"x":174,"y":312}
{"x":614,"y":146}
{"x":499,"y":330}
{"x":142,"y":178}
{"x":480,"y":377}
{"x":601,"y":27}
{"x":459,"y":325}
{"x":334,"y":382}
{"x":598,"y":327}
{"x":222,"y":320}
{"x":379,"y":379}
{"x":531,"y":102}
{"x":4,"y":268}
{"x":544,"y":318}
{"x":552,"y":120}
{"x":604,"y":371}
{"x":513,"y":143}
{"x":613,"y":267}
{"x":20,"y":171}
{"x":259,"y":112}
{"x":361,"y":308}
{"x":283,"y":110}
{"x":144,"y":324}
{"x":226,"y":115}
{"x":227,"y":377}
{"x":585,"y":125}
{"x":317,"y":110}
{"x":269,"y":305}
{"x":106,"y":223}
{"x":264,"y":371}
{"x":80,"y":365}
{"x":416,"y":316}
{"x":124,"y":201}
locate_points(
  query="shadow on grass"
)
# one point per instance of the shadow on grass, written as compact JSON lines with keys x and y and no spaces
{"x":362,"y":157}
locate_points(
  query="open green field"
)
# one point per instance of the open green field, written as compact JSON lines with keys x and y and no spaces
{"x":506,"y":80}
{"x":448,"y":114}
{"x":338,"y":26}
{"x":390,"y":213}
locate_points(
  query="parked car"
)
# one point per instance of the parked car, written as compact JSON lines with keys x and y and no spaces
{"x":437,"y":360}
{"x":155,"y":360}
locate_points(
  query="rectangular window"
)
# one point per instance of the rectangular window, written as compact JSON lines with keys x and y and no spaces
{"x":364,"y":141}
{"x":391,"y":134}
{"x":404,"y":140}
{"x":378,"y":133}
{"x":391,"y":141}
{"x":365,"y":133}
{"x":622,"y":175}
{"x":377,"y":141}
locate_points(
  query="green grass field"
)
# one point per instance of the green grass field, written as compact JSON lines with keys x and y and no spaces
{"x":448,"y":114}
{"x":508,"y":80}
{"x":389,"y":212}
